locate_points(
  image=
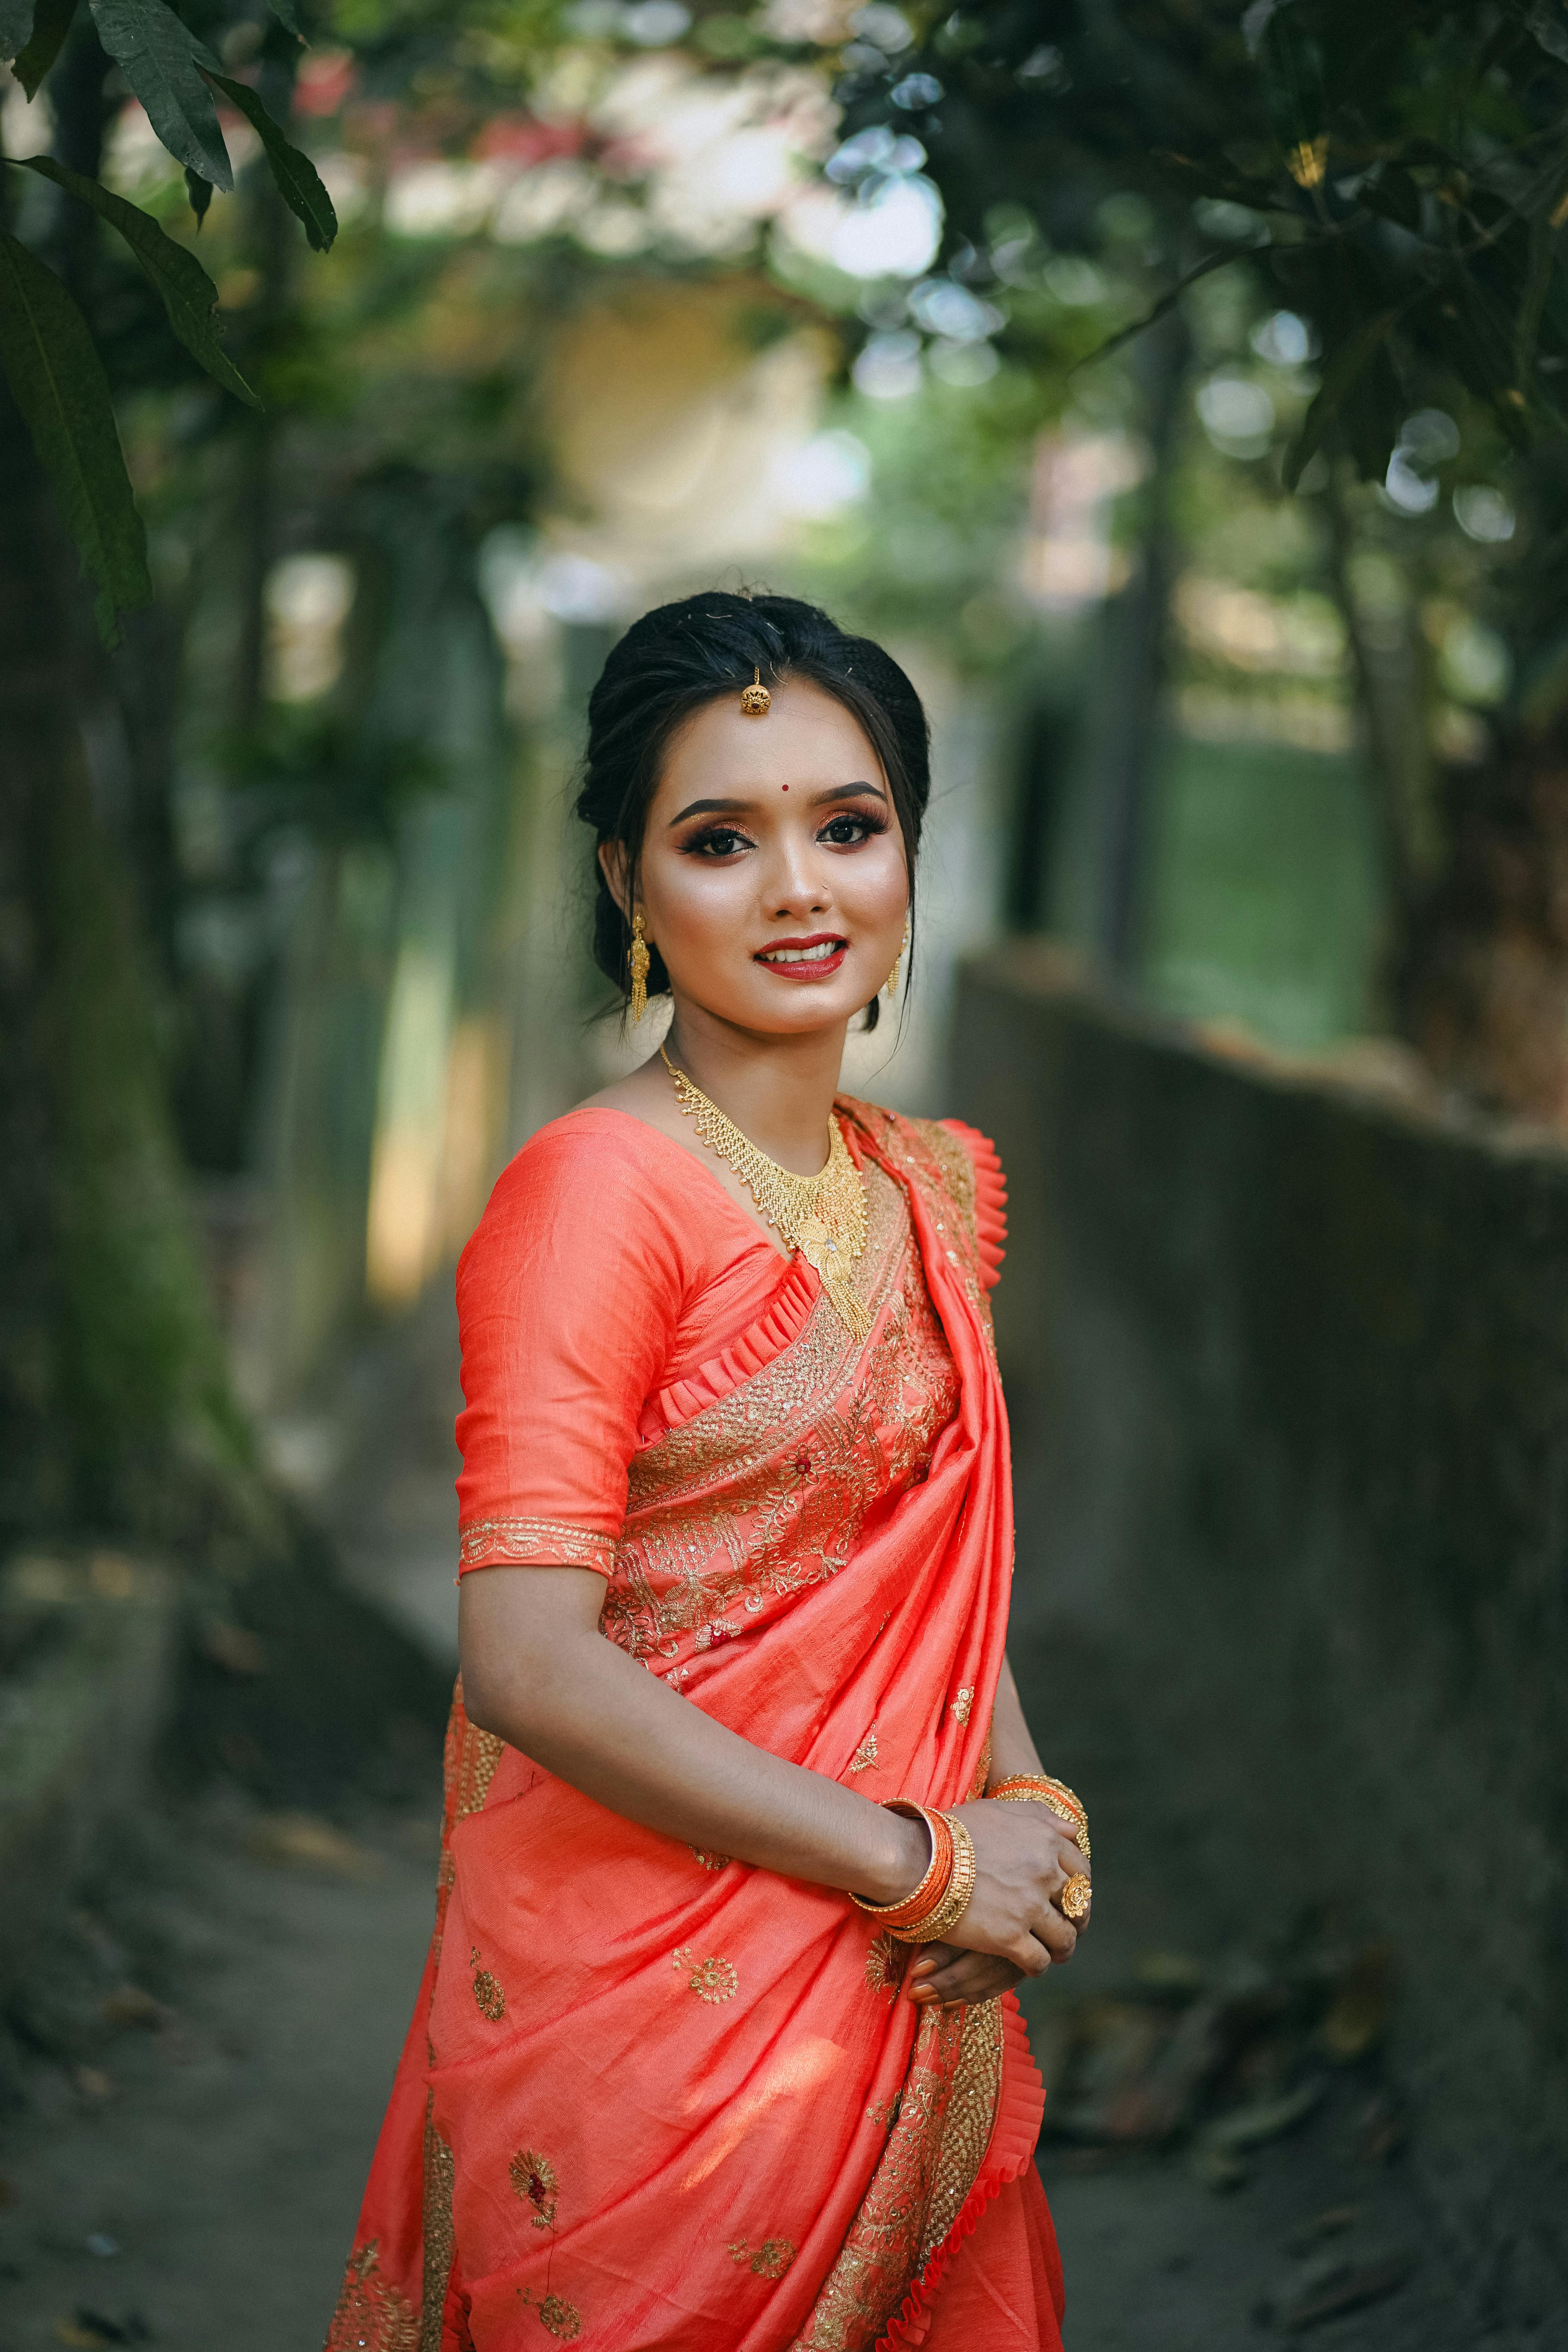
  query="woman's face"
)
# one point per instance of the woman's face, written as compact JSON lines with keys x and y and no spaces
{"x":771,"y":878}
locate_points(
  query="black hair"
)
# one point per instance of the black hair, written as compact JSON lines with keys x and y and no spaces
{"x":682,"y":656}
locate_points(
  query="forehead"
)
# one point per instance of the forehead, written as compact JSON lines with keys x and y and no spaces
{"x":805,"y":739}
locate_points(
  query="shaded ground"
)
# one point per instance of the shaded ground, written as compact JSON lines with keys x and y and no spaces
{"x":202,"y":2065}
{"x":222,"y":2031}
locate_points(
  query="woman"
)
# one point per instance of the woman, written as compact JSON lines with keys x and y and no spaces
{"x":688,"y":2069}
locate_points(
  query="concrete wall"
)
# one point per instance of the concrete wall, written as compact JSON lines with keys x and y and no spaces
{"x":1288,"y":1372}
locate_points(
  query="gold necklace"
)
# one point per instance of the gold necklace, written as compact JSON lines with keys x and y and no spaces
{"x":822,"y":1216}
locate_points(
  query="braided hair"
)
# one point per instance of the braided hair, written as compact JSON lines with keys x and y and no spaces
{"x":682,"y":656}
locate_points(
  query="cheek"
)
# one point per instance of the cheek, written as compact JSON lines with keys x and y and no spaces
{"x":874,"y":885}
{"x":698,"y":904}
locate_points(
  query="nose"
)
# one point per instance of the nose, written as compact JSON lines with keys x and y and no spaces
{"x":798,"y":882}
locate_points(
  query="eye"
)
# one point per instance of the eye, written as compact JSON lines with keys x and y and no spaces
{"x":848,"y":831}
{"x":715,"y":841}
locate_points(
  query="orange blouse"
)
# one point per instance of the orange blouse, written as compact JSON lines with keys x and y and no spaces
{"x":597,"y":1311}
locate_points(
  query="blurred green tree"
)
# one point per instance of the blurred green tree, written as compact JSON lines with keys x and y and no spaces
{"x":118,"y":1411}
{"x":1397,"y":181}
{"x":114,"y":1400}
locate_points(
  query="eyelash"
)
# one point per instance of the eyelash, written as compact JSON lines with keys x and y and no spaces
{"x":704,"y":844}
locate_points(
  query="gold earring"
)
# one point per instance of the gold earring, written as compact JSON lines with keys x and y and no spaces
{"x":638,"y":961}
{"x":903,"y":950}
{"x":755,"y":698}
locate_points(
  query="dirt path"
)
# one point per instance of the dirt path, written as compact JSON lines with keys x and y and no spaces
{"x":213,"y":2043}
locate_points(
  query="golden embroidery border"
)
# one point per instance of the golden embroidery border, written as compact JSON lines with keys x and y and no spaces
{"x":487,"y":1541}
{"x":821,"y":1336}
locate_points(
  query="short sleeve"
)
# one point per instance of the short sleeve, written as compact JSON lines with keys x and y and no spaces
{"x":990,"y":1199}
{"x":568,"y":1297}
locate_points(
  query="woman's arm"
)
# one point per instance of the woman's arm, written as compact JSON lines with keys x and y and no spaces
{"x":945,"y":1973}
{"x":537,"y":1673}
{"x":1012,"y":1748}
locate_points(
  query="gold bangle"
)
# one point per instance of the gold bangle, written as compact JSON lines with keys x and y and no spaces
{"x":934,"y":1869}
{"x":1002,"y":1795}
{"x":960,"y":1888}
{"x":1039,"y":1783}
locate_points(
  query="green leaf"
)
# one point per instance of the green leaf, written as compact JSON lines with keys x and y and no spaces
{"x":298,"y":179}
{"x":16,"y":27}
{"x":1339,"y":378}
{"x":199,"y":193}
{"x":159,"y":59}
{"x":288,"y":15}
{"x":1547,"y":21}
{"x":52,"y":22}
{"x":1168,"y":301}
{"x":1543,"y":232}
{"x":1290,"y":64}
{"x":57,"y":381}
{"x":189,"y":296}
{"x":1210,"y":177}
{"x":1395,"y":196}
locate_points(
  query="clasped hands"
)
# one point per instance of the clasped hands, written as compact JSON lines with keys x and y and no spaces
{"x":1012,"y":1926}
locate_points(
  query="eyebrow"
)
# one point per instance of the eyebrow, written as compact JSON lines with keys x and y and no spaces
{"x":739,"y":807}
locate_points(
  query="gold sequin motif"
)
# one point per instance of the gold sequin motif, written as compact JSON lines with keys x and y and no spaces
{"x":713,"y":1980}
{"x":533,"y":2178}
{"x":962,"y":1704}
{"x":556,"y":2315}
{"x":371,"y":2315}
{"x":885,"y":1962}
{"x":487,"y":1993}
{"x":440,"y":2238}
{"x":864,"y":1755}
{"x":769,"y":2261}
{"x":710,"y":1860}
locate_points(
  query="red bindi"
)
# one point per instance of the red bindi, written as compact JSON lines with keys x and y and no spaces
{"x":783,"y":788}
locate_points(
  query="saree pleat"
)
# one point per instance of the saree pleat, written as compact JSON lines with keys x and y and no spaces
{"x":653,"y":2097}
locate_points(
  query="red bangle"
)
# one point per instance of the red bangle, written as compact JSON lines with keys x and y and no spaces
{"x":1039,"y":1784}
{"x":1040,"y":1789}
{"x":927,"y":1897}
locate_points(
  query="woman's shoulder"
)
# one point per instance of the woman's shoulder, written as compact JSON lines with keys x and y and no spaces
{"x":583,"y":1181}
{"x":955,"y":1159}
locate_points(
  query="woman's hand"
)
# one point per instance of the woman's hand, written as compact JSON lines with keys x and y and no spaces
{"x":943,"y":1974}
{"x":1011,"y":1928}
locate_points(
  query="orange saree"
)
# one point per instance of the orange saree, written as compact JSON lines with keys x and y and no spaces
{"x":652,"y":2098}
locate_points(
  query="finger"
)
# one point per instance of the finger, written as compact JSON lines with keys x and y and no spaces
{"x":1029,"y":1954}
{"x":1058,"y":1935}
{"x":933,"y":1958}
{"x":976,"y":1976}
{"x":1074,"y":1899}
{"x":955,"y":1978}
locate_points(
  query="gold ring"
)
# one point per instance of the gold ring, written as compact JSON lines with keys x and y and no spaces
{"x":1075,"y":1898}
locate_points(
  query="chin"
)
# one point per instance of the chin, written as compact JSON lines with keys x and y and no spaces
{"x":808,"y":1006}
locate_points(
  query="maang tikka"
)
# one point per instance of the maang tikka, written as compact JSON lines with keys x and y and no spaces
{"x":755,"y":699}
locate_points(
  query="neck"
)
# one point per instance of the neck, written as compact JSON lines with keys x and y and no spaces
{"x":777,"y":1090}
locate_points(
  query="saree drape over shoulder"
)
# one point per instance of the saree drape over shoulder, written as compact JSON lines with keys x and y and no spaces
{"x":652,"y":2099}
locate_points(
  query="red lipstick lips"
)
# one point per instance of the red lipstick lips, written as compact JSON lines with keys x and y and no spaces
{"x":813,"y":958}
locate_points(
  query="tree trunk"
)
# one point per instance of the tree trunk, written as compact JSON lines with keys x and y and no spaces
{"x":1480,"y":975}
{"x":1480,"y":982}
{"x":114,"y":1409}
{"x":1132,"y":682}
